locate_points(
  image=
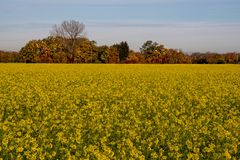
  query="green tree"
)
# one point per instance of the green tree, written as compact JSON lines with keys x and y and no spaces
{"x":123,"y":50}
{"x":103,"y":54}
{"x":153,"y":52}
{"x":148,"y":48}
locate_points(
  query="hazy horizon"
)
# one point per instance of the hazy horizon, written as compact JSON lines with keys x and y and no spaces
{"x":190,"y":25}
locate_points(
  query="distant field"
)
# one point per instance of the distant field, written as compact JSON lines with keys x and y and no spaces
{"x":61,"y":111}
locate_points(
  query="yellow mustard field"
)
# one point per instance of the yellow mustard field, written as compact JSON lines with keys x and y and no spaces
{"x":67,"y":111}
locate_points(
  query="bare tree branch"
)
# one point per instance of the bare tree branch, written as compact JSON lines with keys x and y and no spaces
{"x":69,"y":31}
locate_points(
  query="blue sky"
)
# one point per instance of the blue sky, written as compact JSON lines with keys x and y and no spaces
{"x":190,"y":25}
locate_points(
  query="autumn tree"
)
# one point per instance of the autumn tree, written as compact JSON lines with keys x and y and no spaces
{"x":86,"y":51}
{"x":35,"y":51}
{"x":7,"y":56}
{"x":69,"y":31}
{"x":231,"y":58}
{"x":48,"y":50}
{"x":113,"y":55}
{"x":57,"y":49}
{"x":174,"y":56}
{"x":208,"y":58}
{"x":153,"y":52}
{"x":135,"y":58}
{"x":157,"y":53}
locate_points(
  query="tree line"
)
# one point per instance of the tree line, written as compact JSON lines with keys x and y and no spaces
{"x":67,"y":44}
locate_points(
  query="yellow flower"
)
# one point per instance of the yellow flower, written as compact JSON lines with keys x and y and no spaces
{"x":54,"y":153}
{"x":20,"y":149}
{"x":5,"y":141}
{"x":11,"y":148}
{"x":4,"y":128}
{"x":227,"y":154}
{"x":73,"y":146}
{"x":19,"y":133}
